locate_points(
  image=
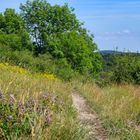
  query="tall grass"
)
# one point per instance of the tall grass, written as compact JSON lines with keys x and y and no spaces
{"x":117,"y":106}
{"x":48,"y":113}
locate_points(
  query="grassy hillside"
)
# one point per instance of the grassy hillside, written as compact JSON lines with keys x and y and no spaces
{"x":36,"y":106}
{"x":39,"y":106}
{"x":117,"y":106}
{"x":46,"y":43}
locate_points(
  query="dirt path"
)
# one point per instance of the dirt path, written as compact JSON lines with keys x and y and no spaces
{"x":88,"y":119}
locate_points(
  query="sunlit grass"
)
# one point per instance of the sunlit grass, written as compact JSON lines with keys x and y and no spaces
{"x":16,"y":69}
{"x":117,"y":106}
{"x":20,"y":84}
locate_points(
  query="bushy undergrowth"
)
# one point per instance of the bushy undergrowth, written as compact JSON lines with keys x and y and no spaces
{"x":42,"y":63}
{"x":120,"y":68}
{"x":35,"y":107}
{"x":117,"y":107}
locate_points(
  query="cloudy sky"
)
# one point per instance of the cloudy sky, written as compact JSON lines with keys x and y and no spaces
{"x":114,"y":23}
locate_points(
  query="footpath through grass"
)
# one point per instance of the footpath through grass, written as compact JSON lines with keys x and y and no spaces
{"x":117,"y":106}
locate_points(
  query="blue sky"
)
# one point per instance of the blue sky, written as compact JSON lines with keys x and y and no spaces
{"x":114,"y":23}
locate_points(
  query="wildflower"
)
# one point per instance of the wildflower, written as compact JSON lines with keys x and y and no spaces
{"x":30,"y":103}
{"x":31,"y":100}
{"x":49,"y":118}
{"x":53,"y":99}
{"x":12,"y":99}
{"x":10,"y":117}
{"x":20,"y":104}
{"x":23,"y":108}
{"x":45,"y":95}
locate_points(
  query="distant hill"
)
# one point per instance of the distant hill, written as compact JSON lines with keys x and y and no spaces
{"x":117,"y":52}
{"x":108,"y":51}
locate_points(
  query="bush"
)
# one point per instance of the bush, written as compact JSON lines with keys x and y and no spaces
{"x":127,"y":69}
{"x":42,"y":63}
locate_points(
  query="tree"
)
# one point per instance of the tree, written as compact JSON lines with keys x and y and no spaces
{"x":12,"y":22}
{"x":127,"y":69}
{"x":13,"y":31}
{"x":55,"y":29}
{"x":2,"y":22}
{"x":43,"y":19}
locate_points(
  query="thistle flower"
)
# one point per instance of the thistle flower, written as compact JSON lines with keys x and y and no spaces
{"x":12,"y":99}
{"x":20,"y":104}
{"x":45,"y":95}
{"x":30,"y":103}
{"x":49,"y":118}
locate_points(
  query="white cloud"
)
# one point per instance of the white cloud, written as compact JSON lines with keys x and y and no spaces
{"x":123,"y":32}
{"x":126,"y":31}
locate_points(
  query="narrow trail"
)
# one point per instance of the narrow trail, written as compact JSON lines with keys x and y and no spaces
{"x":88,"y":119}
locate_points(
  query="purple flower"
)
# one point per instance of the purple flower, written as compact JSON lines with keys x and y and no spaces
{"x":49,"y":118}
{"x":31,"y":99}
{"x":12,"y":99}
{"x":53,"y":99}
{"x":30,"y":103}
{"x":23,"y":108}
{"x":20,"y":104}
{"x":45,"y":95}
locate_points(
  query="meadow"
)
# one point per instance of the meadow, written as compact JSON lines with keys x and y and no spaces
{"x":46,"y":55}
{"x":118,"y":107}
{"x":36,"y":106}
{"x":39,"y":106}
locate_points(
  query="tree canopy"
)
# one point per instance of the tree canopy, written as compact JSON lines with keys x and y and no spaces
{"x":12,"y":30}
{"x":50,"y":32}
{"x":56,"y":29}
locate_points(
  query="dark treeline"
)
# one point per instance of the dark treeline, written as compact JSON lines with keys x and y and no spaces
{"x":46,"y":38}
{"x":120,"y":68}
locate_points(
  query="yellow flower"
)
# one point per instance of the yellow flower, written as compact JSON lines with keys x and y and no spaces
{"x":14,"y":69}
{"x":17,"y":69}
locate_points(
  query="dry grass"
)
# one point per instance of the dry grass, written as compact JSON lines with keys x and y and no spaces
{"x":117,"y":106}
{"x":23,"y":85}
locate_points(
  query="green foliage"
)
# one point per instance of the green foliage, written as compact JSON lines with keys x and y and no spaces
{"x":42,"y":63}
{"x":12,"y":22}
{"x":12,"y":31}
{"x":57,"y":31}
{"x":121,"y":68}
{"x":127,"y":69}
{"x":104,"y":79}
{"x":76,"y":50}
{"x":42,"y":18}
{"x":58,"y":44}
{"x":11,"y":40}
